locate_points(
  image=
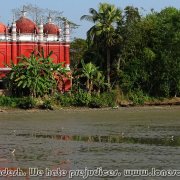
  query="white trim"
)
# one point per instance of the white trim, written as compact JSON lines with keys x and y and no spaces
{"x":67,"y":67}
{"x":37,"y":43}
{"x":5,"y":69}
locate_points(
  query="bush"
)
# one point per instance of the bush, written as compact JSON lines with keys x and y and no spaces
{"x":47,"y":104}
{"x":103,"y":100}
{"x":138,"y":97}
{"x":66,"y":99}
{"x":81,"y":98}
{"x":108,"y":99}
{"x":9,"y":101}
{"x":26,"y":103}
{"x":96,"y":102}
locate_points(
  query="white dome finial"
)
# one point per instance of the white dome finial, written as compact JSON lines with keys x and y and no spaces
{"x":23,"y":11}
{"x":49,"y":18}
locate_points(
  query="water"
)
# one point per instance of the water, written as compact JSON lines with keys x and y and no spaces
{"x":127,"y":138}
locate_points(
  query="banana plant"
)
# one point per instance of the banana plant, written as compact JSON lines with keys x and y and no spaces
{"x":34,"y":75}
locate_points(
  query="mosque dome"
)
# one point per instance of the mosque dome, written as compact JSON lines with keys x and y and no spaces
{"x":2,"y":28}
{"x":50,"y":28}
{"x":25,"y":25}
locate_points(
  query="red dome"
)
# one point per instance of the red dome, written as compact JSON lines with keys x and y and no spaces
{"x":50,"y":28}
{"x":25,"y":25}
{"x":2,"y":28}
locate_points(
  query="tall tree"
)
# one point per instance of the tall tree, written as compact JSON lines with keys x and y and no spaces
{"x":103,"y":32}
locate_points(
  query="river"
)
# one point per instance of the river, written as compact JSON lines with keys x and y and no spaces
{"x":117,"y":139}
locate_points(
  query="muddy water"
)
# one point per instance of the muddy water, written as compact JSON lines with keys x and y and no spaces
{"x":135,"y":138}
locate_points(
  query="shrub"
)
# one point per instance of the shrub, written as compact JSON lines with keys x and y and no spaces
{"x":9,"y":101}
{"x":47,"y":104}
{"x":96,"y":102}
{"x":138,"y":97}
{"x":26,"y":103}
{"x":108,"y":99}
{"x":82,"y":98}
{"x":66,"y":99}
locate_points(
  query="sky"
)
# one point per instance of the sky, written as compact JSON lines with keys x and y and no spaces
{"x":74,"y":9}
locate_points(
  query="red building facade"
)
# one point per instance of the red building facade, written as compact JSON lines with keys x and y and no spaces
{"x":25,"y":36}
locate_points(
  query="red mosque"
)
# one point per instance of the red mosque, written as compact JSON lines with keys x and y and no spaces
{"x":25,"y":36}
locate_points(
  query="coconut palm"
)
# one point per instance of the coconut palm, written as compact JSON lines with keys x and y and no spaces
{"x":104,"y":30}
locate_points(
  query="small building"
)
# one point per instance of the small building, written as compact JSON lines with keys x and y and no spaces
{"x":25,"y":36}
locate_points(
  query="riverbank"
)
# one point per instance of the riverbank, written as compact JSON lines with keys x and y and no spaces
{"x":156,"y":103}
{"x":86,"y":109}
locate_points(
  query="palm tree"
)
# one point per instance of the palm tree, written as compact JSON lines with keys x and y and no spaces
{"x":104,"y":30}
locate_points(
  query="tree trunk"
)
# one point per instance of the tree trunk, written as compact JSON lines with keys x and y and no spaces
{"x":108,"y":67}
{"x":87,"y":85}
{"x":90,"y":86}
{"x":118,"y":63}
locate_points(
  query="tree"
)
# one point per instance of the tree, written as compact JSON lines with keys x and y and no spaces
{"x":78,"y":49}
{"x":103,"y":32}
{"x":150,"y":51}
{"x":166,"y":40}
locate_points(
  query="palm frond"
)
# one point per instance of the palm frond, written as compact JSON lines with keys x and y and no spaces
{"x":87,"y":18}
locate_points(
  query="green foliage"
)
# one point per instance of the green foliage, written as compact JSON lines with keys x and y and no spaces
{"x":66,"y":99}
{"x":103,"y":100}
{"x":9,"y":101}
{"x":26,"y":103}
{"x":151,"y":54}
{"x":142,"y":53}
{"x":89,"y":71}
{"x":103,"y":34}
{"x":47,"y":104}
{"x":89,"y":77}
{"x":99,"y":82}
{"x":96,"y":102}
{"x":82,"y":98}
{"x":138,"y":97}
{"x":34,"y":76}
{"x":78,"y":49}
{"x":109,"y":99}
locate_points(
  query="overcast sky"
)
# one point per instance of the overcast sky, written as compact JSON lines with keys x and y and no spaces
{"x":74,"y":9}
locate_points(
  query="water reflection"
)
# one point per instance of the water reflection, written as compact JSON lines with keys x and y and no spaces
{"x":166,"y":141}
